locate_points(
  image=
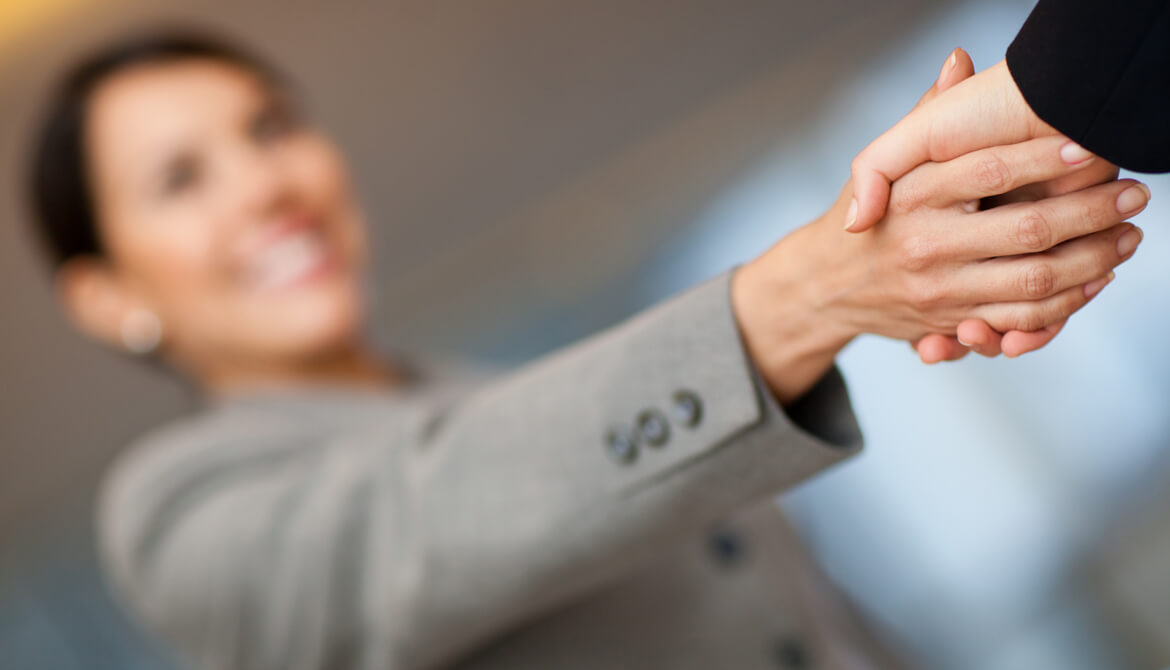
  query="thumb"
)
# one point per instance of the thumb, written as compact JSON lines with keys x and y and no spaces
{"x":957,"y":67}
{"x":871,"y":185}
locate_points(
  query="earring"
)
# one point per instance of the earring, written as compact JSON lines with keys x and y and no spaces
{"x":141,"y":332}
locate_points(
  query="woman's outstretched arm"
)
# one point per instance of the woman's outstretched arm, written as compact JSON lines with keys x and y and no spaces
{"x":415,"y":537}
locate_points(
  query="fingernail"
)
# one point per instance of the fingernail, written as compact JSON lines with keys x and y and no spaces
{"x":1133,"y":198}
{"x":947,"y":67}
{"x":851,"y":215}
{"x":965,"y":344}
{"x":1073,"y":153}
{"x":1094,"y":287}
{"x":1129,"y":241}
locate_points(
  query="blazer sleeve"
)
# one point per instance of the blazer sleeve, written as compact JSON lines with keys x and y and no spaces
{"x":1099,"y":72}
{"x":409,"y":545}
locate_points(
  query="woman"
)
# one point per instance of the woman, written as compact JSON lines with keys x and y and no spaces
{"x":604,"y":506}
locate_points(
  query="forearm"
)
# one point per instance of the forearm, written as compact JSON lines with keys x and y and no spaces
{"x":787,"y":304}
{"x":453,"y":520}
{"x":532,"y":496}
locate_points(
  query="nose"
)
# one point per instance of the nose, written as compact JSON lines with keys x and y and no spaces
{"x":256,"y":182}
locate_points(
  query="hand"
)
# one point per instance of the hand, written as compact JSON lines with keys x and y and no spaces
{"x":978,"y":336}
{"x":935,"y":261}
{"x":982,"y":111}
{"x":974,"y":334}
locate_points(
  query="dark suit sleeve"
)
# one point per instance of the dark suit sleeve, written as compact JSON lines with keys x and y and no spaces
{"x":1099,"y":72}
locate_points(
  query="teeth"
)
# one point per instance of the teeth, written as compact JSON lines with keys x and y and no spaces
{"x":286,"y":260}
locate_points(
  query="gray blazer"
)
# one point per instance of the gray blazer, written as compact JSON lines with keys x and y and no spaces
{"x":606,"y":506}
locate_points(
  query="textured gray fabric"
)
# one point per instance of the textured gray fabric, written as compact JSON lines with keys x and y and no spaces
{"x":479,"y":521}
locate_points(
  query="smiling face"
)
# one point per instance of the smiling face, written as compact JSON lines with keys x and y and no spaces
{"x":225,"y":215}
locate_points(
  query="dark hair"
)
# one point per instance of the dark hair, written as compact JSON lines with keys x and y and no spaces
{"x":59,"y":190}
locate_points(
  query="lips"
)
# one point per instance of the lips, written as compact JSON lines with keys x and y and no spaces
{"x":287,"y":260}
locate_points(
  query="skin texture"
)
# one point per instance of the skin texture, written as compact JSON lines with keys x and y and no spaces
{"x":981,"y":111}
{"x":975,"y":334}
{"x":199,"y":170}
{"x":935,"y":261}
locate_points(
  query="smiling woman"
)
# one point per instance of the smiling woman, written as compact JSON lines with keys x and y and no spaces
{"x":226,"y":220}
{"x":328,"y":507}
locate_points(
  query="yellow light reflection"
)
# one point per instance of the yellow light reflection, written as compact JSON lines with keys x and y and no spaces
{"x":20,"y":18}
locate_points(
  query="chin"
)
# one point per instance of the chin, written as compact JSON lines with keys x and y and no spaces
{"x":316,"y":324}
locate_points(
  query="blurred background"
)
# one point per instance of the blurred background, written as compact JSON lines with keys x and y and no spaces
{"x":536,"y":171}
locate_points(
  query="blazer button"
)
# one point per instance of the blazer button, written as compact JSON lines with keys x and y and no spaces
{"x":727,"y":547}
{"x":621,"y":445}
{"x":687,"y":408}
{"x":653,"y":427}
{"x":790,"y":652}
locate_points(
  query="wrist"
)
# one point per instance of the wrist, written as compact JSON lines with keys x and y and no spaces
{"x":1016,"y":103}
{"x":787,"y":315}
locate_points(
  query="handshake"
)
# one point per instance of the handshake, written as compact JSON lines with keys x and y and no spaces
{"x":975,"y":227}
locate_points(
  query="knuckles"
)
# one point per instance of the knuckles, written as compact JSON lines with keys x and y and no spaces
{"x":992,"y":174}
{"x":1026,"y":319}
{"x":1040,"y":315}
{"x":1031,"y":320}
{"x":1033,"y":232}
{"x":907,"y":194}
{"x":1038,"y":280}
{"x":918,"y":253}
{"x":1100,"y":215}
{"x":927,"y":294}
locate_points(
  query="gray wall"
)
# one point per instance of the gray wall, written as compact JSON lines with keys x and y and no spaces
{"x":520,"y":160}
{"x":538,"y":170}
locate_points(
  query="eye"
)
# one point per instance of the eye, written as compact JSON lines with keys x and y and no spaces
{"x":274,"y":122}
{"x":181,"y":175}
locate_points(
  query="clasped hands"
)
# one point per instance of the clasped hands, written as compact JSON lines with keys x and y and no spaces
{"x":988,"y":110}
{"x":975,"y":227}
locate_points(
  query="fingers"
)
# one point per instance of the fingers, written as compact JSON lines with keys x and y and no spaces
{"x":975,"y":335}
{"x":955,"y":68}
{"x":979,"y":337}
{"x":983,"y":111}
{"x":1028,"y":228}
{"x":990,"y":172}
{"x":1038,"y":314}
{"x":935,"y":348}
{"x":1017,"y":343}
{"x":1039,"y":276}
{"x":875,"y":192}
{"x":1098,"y":171}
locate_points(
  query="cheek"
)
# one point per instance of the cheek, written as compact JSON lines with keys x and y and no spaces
{"x":210,"y":315}
{"x":327,"y":312}
{"x":181,"y":261}
{"x":179,"y":269}
{"x":323,"y":181}
{"x":174,"y":263}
